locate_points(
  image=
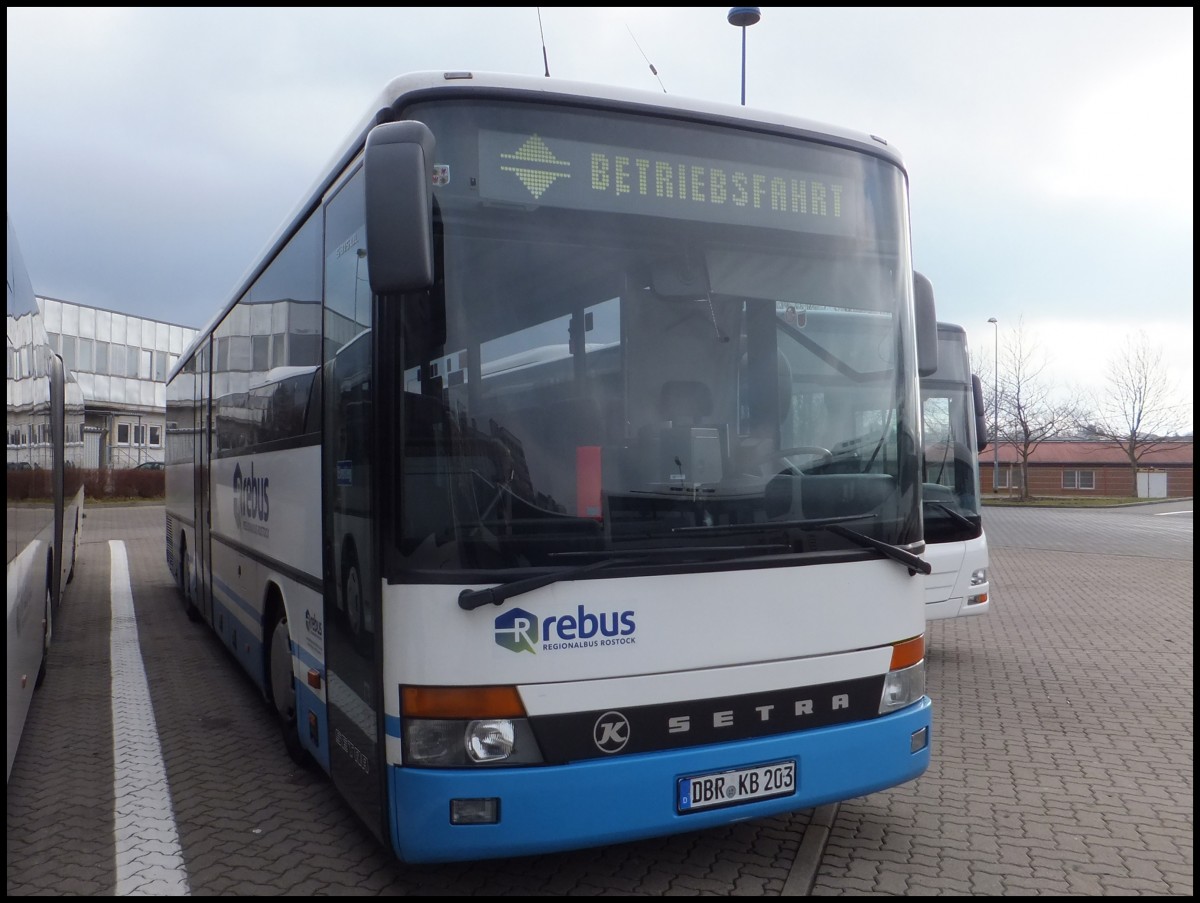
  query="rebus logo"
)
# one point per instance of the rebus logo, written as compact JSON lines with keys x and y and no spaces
{"x":251,"y":507}
{"x":517,"y":630}
{"x":521,"y":631}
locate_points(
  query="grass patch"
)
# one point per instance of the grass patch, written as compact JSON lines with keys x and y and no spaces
{"x":1073,"y":502}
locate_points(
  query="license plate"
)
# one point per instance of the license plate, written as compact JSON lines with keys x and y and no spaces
{"x":727,"y":788}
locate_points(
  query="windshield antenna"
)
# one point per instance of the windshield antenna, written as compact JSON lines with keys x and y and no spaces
{"x":646,"y":58}
{"x":545,"y":59}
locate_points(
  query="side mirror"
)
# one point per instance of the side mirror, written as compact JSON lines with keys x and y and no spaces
{"x":981,"y":431}
{"x":399,"y":176}
{"x":926,"y":316}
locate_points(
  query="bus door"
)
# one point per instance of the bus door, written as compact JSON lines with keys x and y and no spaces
{"x":203,"y":434}
{"x":351,"y":578}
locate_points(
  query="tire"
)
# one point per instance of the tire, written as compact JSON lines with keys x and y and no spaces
{"x":185,"y":585}
{"x":282,"y":689}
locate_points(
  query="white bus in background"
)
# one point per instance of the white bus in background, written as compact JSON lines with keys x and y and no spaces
{"x":541,"y":549}
{"x":955,"y":432}
{"x":44,"y":510}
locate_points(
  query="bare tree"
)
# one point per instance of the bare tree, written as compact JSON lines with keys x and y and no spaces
{"x":1137,"y":412}
{"x":1029,"y":414}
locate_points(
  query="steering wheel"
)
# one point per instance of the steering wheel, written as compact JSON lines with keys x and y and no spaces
{"x":821,"y":455}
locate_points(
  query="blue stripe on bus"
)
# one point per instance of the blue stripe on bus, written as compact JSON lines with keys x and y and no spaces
{"x":231,"y":595}
{"x":597,"y":802}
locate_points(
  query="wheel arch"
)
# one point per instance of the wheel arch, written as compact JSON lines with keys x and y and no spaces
{"x":274,"y":609}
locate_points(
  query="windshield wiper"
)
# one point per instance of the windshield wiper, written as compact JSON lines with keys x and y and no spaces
{"x":915,"y":562}
{"x":962,"y":519}
{"x":470,"y":599}
{"x":833,"y":525}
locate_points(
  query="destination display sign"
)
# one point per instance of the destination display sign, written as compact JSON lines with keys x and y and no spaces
{"x":530,"y":169}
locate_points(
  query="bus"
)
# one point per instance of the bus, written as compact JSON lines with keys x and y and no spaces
{"x":955,"y":433}
{"x":507,"y":472}
{"x":45,"y":491}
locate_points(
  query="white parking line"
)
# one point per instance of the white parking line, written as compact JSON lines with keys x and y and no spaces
{"x":149,"y":858}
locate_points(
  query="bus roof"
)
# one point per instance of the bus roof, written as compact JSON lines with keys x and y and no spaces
{"x":415,"y":86}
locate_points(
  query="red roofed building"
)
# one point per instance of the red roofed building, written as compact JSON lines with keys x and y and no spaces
{"x":1079,"y":467}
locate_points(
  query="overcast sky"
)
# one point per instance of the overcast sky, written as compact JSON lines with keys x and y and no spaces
{"x":153,"y":152}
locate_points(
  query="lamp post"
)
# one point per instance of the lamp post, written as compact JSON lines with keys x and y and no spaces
{"x":995,"y":404}
{"x":742,"y":17}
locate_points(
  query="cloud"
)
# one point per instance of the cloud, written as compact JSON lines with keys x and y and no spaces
{"x":1128,"y":140}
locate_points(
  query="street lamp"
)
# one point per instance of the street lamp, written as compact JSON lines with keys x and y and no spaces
{"x":995,"y":404}
{"x":742,"y":17}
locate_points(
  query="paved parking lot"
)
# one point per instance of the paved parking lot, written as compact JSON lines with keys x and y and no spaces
{"x":1062,"y":753}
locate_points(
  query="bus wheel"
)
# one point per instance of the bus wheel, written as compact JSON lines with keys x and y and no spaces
{"x":283,"y":689}
{"x":185,"y":585}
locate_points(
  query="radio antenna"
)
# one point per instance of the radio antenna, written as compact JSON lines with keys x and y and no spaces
{"x":545,"y":59}
{"x":646,"y":58}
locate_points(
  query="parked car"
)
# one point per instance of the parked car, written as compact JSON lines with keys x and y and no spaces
{"x":151,"y":465}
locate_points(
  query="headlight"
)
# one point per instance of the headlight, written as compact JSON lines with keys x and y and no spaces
{"x":902,"y":687}
{"x":457,"y":727}
{"x":488,"y":741}
{"x":459,"y":743}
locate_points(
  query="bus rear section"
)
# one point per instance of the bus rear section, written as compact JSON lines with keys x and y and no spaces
{"x":44,"y":510}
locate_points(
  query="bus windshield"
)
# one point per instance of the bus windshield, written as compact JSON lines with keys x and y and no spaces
{"x":649,"y":334}
{"x":951,"y":490}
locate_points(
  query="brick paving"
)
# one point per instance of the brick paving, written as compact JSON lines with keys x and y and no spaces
{"x":1062,"y":753}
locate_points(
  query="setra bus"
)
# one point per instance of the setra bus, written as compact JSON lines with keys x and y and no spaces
{"x":45,"y":491}
{"x":955,"y":433}
{"x":507,"y":471}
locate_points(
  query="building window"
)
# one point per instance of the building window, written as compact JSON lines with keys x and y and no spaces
{"x":1079,"y":479}
{"x":84,"y":358}
{"x":68,"y":352}
{"x":260,"y":349}
{"x":156,"y":436}
{"x":123,"y":433}
{"x":139,"y":435}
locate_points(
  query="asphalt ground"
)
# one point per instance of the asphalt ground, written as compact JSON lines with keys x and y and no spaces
{"x":1062,"y":758}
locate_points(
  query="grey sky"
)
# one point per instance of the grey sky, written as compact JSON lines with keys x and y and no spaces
{"x":152,"y":152}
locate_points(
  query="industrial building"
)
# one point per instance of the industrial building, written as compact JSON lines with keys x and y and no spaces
{"x":121,"y":364}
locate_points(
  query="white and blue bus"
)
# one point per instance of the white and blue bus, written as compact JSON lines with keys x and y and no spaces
{"x":955,"y":433}
{"x":45,"y":491}
{"x":508,"y":471}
